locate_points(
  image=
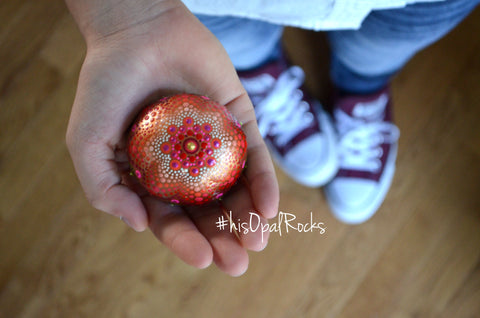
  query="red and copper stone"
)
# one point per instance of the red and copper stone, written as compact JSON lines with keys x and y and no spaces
{"x":187,"y":149}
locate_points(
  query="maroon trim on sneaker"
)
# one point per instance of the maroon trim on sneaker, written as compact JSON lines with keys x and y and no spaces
{"x":347,"y":104}
{"x":275,"y":69}
{"x":359,"y":174}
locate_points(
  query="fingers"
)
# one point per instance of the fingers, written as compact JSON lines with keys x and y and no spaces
{"x":228,"y":254}
{"x":121,"y":202}
{"x":260,"y":172}
{"x":246,"y":221}
{"x":176,"y":230}
{"x":192,"y":234}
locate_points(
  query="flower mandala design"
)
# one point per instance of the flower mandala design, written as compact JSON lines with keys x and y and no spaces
{"x":187,"y":149}
{"x":191,"y":146}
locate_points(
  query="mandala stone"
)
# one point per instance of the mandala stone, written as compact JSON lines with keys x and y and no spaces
{"x":187,"y":149}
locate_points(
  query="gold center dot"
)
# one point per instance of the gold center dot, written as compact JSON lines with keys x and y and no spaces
{"x":190,"y":145}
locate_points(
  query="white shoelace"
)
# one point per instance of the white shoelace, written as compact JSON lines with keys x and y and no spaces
{"x":281,"y":113}
{"x":360,"y":140}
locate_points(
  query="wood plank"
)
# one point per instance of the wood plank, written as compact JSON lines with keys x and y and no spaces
{"x":418,"y":257}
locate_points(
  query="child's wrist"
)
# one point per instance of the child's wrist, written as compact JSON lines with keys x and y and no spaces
{"x":101,"y":19}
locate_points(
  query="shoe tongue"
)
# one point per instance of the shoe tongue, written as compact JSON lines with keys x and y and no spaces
{"x":259,"y":81}
{"x":366,"y":107}
{"x":274,"y":69}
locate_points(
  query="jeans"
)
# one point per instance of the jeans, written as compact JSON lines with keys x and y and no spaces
{"x":363,"y":60}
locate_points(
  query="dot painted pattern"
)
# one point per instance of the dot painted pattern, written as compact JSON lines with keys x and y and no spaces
{"x":187,"y":149}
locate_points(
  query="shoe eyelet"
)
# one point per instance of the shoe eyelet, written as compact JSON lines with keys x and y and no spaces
{"x":304,"y":105}
{"x":379,"y":152}
{"x":308,"y":117}
{"x":298,"y":94}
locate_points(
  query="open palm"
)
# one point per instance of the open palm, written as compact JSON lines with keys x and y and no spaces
{"x":123,"y":71}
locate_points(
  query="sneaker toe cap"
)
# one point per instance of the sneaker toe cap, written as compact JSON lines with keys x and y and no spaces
{"x":353,"y":200}
{"x":313,"y":162}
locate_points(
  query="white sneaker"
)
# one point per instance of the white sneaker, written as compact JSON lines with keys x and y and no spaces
{"x":367,"y":153}
{"x":298,"y":132}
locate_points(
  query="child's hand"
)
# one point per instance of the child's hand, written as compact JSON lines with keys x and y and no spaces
{"x":137,"y":51}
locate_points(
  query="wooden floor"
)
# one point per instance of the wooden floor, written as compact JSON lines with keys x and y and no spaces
{"x":418,"y":257}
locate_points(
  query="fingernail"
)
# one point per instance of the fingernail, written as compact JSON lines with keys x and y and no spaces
{"x":126,"y":221}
